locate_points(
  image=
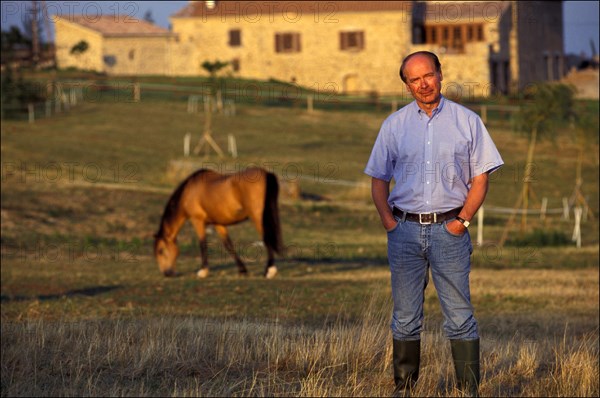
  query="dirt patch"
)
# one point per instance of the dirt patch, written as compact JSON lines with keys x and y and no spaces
{"x":585,"y":81}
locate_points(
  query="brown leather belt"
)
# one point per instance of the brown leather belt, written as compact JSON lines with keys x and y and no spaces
{"x":427,"y":218}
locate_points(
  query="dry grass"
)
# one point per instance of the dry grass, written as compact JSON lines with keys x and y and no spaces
{"x":226,"y":357}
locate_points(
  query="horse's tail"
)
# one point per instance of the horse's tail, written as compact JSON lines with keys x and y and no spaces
{"x":271,"y":225}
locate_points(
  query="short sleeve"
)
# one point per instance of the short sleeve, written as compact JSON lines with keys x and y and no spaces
{"x":381,"y":162}
{"x":484,"y":154}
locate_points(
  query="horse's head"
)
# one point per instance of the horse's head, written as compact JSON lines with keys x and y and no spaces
{"x":166,"y":252}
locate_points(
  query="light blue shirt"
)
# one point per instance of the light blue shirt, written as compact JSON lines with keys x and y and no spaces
{"x":432,"y":159}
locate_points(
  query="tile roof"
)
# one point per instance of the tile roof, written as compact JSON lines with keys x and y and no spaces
{"x":117,"y":25}
{"x":265,"y":8}
{"x":429,"y":11}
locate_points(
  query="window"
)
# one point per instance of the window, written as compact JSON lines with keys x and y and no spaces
{"x":453,"y":37}
{"x":457,"y":38}
{"x":458,"y":33}
{"x":470,"y":33}
{"x":131,"y":55}
{"x":235,"y":38}
{"x":287,"y":42}
{"x":431,"y":34}
{"x":352,"y":40}
{"x":235,"y":64}
{"x":418,"y":34}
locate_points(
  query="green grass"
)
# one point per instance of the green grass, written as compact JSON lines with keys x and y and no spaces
{"x":57,"y":217}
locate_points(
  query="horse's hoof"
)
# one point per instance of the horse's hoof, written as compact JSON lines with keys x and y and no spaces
{"x":203,"y":273}
{"x":271,"y":272}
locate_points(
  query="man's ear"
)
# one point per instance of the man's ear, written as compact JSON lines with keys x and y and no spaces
{"x":441,"y":76}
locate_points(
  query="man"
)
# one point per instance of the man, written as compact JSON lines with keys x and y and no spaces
{"x":440,"y":155}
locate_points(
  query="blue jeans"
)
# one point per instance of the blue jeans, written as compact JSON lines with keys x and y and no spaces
{"x":414,"y":248}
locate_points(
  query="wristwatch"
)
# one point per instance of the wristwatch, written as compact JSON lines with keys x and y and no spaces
{"x":463,"y":222}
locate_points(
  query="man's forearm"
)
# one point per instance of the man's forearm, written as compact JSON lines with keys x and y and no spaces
{"x":475,"y":197}
{"x":380,"y":191}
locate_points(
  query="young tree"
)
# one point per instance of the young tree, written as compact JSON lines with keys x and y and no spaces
{"x":584,"y":125}
{"x":216,"y":83}
{"x":215,"y":95}
{"x":33,"y":30}
{"x":213,"y":69}
{"x":546,"y":106}
{"x":148,"y":16}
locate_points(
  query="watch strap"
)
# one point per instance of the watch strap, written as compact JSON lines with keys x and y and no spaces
{"x":463,"y":222}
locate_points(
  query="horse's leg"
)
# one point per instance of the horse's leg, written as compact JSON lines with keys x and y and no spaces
{"x":270,"y":269}
{"x":222,"y":231}
{"x":200,"y":228}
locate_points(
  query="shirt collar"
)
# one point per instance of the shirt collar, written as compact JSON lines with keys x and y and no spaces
{"x":435,"y":112}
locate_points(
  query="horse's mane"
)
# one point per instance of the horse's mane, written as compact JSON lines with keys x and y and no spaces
{"x":173,"y":203}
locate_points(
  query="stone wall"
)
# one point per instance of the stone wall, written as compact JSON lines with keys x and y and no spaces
{"x":137,"y":55}
{"x":68,"y":34}
{"x":320,"y":64}
{"x":540,"y":42}
{"x":118,"y":55}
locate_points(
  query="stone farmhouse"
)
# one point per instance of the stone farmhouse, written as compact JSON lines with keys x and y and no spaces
{"x":349,"y":46}
{"x":116,"y":45}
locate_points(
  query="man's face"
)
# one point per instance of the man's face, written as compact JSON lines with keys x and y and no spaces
{"x":423,"y":81}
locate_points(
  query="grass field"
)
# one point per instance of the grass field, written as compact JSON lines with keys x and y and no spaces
{"x":86,"y":312}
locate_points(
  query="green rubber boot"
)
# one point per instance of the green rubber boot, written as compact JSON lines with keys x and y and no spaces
{"x":466,"y":364}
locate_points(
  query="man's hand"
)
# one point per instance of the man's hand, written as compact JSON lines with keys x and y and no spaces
{"x":389,"y":225}
{"x":380,"y":190}
{"x":456,"y":227}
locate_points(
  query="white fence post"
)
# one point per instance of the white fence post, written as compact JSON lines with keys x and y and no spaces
{"x":577,"y":230}
{"x":565,"y":202}
{"x":480,"y":215}
{"x":232,"y":145}
{"x":31,"y":112}
{"x":186,"y":144}
{"x":136,"y":92}
{"x":229,"y":107}
{"x":544,"y":208}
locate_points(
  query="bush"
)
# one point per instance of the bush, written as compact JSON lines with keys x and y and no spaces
{"x":541,"y":238}
{"x":17,"y":93}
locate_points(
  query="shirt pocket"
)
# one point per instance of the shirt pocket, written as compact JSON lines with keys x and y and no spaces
{"x":454,"y":162}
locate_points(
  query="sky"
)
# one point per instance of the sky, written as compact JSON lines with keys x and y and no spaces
{"x":581,"y":18}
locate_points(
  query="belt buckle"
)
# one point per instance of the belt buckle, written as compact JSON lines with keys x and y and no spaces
{"x":427,"y":214}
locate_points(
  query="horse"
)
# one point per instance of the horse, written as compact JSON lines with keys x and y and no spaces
{"x":207,"y":197}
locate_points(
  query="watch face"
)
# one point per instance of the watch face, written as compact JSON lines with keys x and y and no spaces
{"x":466,"y":224}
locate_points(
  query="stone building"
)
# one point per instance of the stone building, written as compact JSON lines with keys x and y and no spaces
{"x":484,"y":47}
{"x":115,"y":45}
{"x":348,"y":46}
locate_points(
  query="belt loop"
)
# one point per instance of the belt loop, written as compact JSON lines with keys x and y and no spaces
{"x":404,"y":214}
